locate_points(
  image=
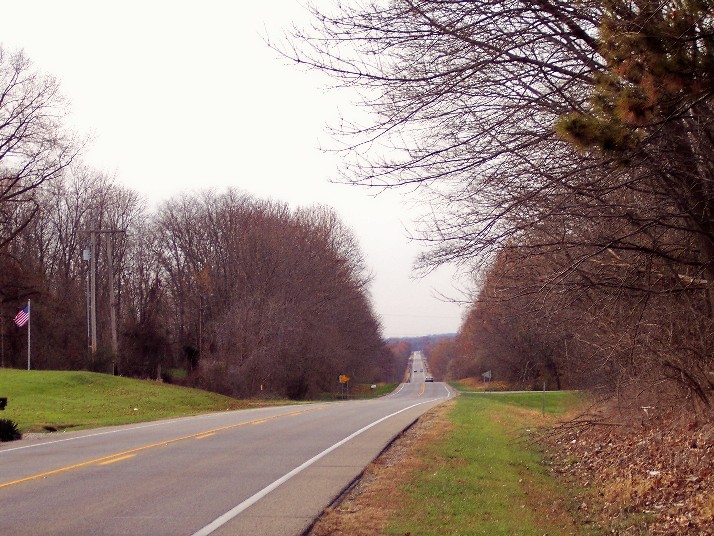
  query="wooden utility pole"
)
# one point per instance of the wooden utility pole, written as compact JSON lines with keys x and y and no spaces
{"x":112,"y":303}
{"x":200,"y":328}
{"x":93,"y":292}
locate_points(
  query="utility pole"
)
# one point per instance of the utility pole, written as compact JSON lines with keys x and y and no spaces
{"x":93,"y":291}
{"x":87,"y":257}
{"x":200,"y":328}
{"x":112,"y":304}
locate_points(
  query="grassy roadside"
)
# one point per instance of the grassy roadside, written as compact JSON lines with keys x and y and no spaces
{"x":361,"y":391}
{"x":484,"y":477}
{"x":41,"y":401}
{"x":51,"y":400}
{"x":467,"y":467}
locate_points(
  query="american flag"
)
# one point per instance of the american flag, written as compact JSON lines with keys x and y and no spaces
{"x":22,"y":316}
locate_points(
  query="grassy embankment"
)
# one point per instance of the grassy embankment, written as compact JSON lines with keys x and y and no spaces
{"x":484,"y":476}
{"x":42,"y":401}
{"x":52,"y":400}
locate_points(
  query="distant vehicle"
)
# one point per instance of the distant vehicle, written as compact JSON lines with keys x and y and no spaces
{"x":421,"y":370}
{"x":428,"y":379}
{"x":415,"y":370}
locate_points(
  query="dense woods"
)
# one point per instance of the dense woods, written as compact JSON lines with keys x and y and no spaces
{"x":566,"y":151}
{"x":248,"y":297}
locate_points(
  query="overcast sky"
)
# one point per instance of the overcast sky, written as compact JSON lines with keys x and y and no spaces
{"x":180,"y":96}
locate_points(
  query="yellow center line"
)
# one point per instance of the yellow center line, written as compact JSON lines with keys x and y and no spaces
{"x":421,"y":391}
{"x":203,"y":436}
{"x":259,"y":421}
{"x":128,"y":453}
{"x":117,"y":459}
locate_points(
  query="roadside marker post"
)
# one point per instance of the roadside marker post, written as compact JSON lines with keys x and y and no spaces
{"x":343,"y":381}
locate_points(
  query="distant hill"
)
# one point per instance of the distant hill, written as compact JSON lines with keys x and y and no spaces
{"x":419,"y":343}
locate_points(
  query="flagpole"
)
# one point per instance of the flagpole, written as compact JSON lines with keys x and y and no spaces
{"x":29,"y":322}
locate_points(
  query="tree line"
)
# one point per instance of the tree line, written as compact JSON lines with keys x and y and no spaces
{"x":567,"y":153}
{"x":248,"y":296}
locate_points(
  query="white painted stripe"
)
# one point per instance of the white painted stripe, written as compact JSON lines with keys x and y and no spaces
{"x":45,"y":443}
{"x":129,"y":428}
{"x":233,"y":512}
{"x":401,"y":386}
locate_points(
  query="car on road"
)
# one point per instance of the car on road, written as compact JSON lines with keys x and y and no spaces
{"x":429,"y":379}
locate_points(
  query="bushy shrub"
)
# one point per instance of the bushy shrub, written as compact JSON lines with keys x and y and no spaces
{"x":9,"y":430}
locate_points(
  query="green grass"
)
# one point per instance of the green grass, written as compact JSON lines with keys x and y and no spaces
{"x":178,"y":373}
{"x":361,"y":391}
{"x":485,"y":477}
{"x":53,"y":400}
{"x":556,"y":402}
{"x":384,"y":389}
{"x":482,"y":387}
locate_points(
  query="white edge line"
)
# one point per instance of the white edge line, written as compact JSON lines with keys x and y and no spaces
{"x":35,"y":445}
{"x":233,"y":512}
{"x":393,"y":393}
{"x":129,"y":427}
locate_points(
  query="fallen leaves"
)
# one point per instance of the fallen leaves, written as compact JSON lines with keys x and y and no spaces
{"x":654,"y":478}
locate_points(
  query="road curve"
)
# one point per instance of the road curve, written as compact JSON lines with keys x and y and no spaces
{"x":261,"y":471}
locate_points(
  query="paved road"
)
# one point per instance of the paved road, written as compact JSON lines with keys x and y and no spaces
{"x":263,"y":471}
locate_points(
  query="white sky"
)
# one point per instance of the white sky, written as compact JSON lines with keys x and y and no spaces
{"x":181,"y":96}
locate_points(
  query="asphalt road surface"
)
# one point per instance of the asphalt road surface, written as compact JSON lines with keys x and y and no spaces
{"x":268,"y":471}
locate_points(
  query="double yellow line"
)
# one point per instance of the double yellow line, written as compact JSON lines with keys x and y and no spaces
{"x":125,"y":455}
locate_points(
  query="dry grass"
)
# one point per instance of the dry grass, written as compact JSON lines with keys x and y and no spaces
{"x":705,"y":505}
{"x":450,"y":456}
{"x":477,"y":384}
{"x":366,"y":508}
{"x":626,"y":489}
{"x":655,"y":479}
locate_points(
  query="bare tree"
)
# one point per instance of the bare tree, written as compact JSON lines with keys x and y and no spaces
{"x":34,"y":146}
{"x":473,"y":103}
{"x":465,"y":98}
{"x":274,"y":299}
